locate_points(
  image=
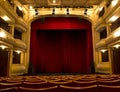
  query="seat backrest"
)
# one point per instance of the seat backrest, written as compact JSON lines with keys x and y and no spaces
{"x":109,"y":82}
{"x":107,"y":88}
{"x":48,"y":89}
{"x":11,"y":89}
{"x":85,"y":83}
{"x":36,"y":85}
{"x":8,"y":85}
{"x":60,"y":82}
{"x":81,"y":83}
{"x":92,"y":88}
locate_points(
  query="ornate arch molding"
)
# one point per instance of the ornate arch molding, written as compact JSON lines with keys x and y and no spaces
{"x":79,"y":16}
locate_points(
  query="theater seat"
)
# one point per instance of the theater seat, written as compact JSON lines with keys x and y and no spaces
{"x":48,"y":89}
{"x":106,"y":88}
{"x":9,"y":85}
{"x":37,"y":84}
{"x":92,"y":88}
{"x":11,"y":89}
{"x":109,"y":82}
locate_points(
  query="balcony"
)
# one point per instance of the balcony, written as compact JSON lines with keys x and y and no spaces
{"x":19,"y":45}
{"x":6,"y":38}
{"x":101,"y":44}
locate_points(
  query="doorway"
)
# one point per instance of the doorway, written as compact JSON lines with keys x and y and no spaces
{"x":116,"y":61}
{"x":3,"y":62}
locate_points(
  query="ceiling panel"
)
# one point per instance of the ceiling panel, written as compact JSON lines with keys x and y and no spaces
{"x":62,"y":3}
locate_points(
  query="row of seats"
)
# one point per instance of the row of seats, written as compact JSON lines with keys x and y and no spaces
{"x":63,"y":88}
{"x":59,"y":77}
{"x":71,"y":83}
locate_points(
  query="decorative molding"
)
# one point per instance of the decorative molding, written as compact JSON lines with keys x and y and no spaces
{"x":19,"y":45}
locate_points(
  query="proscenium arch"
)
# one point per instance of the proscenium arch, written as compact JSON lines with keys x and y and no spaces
{"x":34,"y":37}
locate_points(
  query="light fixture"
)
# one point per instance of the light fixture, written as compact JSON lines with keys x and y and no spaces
{"x":3,"y":47}
{"x":20,"y":8}
{"x":113,"y":18}
{"x":2,"y":34}
{"x":100,"y":9}
{"x":117,"y":46}
{"x":103,"y":50}
{"x":114,"y":2}
{"x":53,"y":11}
{"x":18,"y":51}
{"x":31,"y":7}
{"x":85,"y":11}
{"x":117,"y":32}
{"x":6,"y":18}
{"x":54,"y":1}
{"x":36,"y":12}
{"x":67,"y":10}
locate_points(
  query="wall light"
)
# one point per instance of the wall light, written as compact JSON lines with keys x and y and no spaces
{"x":114,"y":2}
{"x":117,"y":46}
{"x":6,"y":18}
{"x":18,"y":51}
{"x":2,"y":34}
{"x":113,"y":18}
{"x":103,"y":50}
{"x":117,"y":32}
{"x":20,"y":8}
{"x":100,"y":9}
{"x":3,"y":47}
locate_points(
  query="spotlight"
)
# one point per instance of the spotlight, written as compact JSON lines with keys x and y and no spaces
{"x":85,"y":12}
{"x":67,"y":10}
{"x":53,"y":11}
{"x":36,"y":12}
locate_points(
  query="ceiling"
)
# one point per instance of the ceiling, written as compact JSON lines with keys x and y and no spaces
{"x":61,"y":3}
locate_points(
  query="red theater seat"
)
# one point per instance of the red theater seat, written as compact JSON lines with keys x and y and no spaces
{"x":11,"y":89}
{"x":106,"y":88}
{"x":48,"y":89}
{"x":92,"y":88}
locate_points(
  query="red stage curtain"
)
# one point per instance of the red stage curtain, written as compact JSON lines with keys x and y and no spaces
{"x":54,"y":50}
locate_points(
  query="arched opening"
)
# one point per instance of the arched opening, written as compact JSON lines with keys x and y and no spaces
{"x":61,"y":45}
